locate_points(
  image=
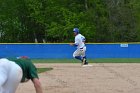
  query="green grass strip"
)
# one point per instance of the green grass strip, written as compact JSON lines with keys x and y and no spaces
{"x":117,"y":60}
{"x":100,"y":60}
{"x":41,"y":70}
{"x":55,"y":60}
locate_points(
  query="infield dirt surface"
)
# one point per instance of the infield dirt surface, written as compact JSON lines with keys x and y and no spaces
{"x":100,"y":78}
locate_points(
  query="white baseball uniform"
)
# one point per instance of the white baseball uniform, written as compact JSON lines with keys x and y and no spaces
{"x":10,"y":75}
{"x":81,"y":48}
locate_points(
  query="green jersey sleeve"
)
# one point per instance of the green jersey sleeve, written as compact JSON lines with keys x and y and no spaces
{"x":28,"y":68}
{"x":32,"y":71}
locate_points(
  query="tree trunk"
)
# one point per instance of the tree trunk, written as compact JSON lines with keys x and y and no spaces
{"x":86,"y":6}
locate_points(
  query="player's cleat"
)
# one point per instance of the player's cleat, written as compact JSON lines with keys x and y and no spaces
{"x":83,"y":61}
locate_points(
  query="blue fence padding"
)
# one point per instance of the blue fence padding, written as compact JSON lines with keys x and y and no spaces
{"x":112,"y":51}
{"x":66,"y":51}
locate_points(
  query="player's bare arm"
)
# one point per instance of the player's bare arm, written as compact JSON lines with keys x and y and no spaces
{"x":37,"y":85}
{"x":72,"y":44}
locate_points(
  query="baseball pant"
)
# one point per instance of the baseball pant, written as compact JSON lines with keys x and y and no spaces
{"x":10,"y":76}
{"x":79,"y":52}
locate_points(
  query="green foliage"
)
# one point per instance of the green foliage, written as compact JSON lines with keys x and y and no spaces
{"x":53,"y":20}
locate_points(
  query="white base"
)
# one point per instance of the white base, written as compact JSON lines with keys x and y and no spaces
{"x":87,"y":65}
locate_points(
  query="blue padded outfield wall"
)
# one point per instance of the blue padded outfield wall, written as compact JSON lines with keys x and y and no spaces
{"x":65,"y":50}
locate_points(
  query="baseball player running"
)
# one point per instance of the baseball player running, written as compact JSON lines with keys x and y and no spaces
{"x":81,"y":48}
{"x":16,"y":70}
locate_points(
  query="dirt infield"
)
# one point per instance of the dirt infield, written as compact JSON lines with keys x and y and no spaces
{"x":100,"y":78}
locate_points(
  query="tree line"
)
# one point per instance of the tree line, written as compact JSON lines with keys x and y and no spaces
{"x":52,"y":21}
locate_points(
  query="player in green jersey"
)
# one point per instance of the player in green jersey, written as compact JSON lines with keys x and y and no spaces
{"x":16,"y":70}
